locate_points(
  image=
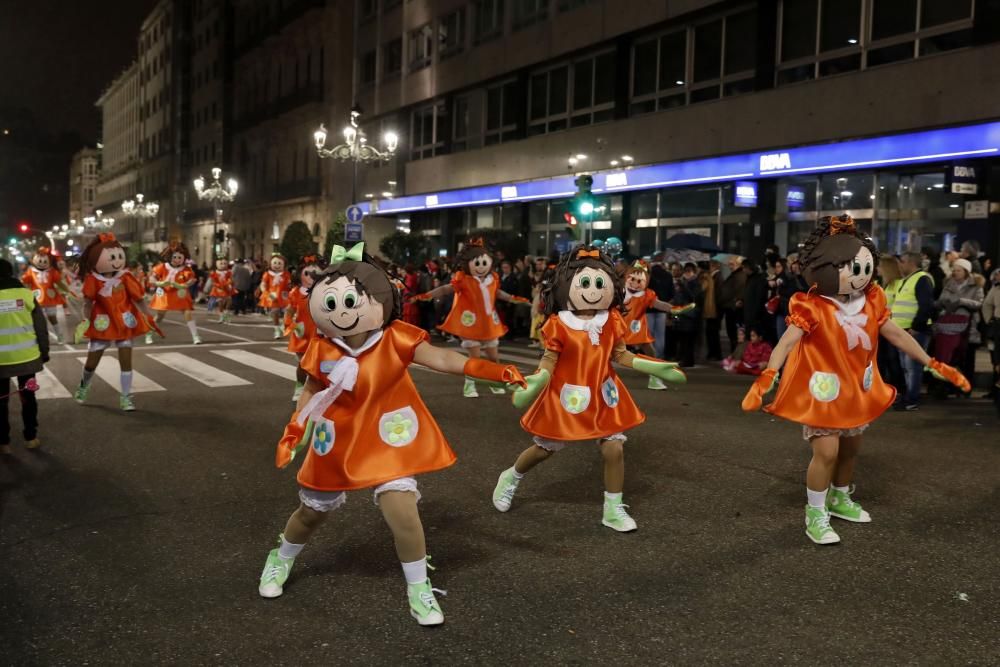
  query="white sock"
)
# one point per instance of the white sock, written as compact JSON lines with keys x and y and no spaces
{"x":517,"y":475}
{"x":415,"y":572}
{"x":87,"y":377}
{"x":193,"y":328}
{"x":61,"y":320}
{"x":816,"y":498}
{"x":614,"y":497}
{"x":846,"y":490}
{"x":287,"y":550}
{"x":126,"y":379}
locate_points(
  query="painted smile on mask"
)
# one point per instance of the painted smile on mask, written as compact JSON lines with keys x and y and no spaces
{"x":357,"y":319}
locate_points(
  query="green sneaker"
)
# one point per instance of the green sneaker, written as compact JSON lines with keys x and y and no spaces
{"x":841,"y":506}
{"x":149,"y":338}
{"x":656,"y":384}
{"x":505,"y":489}
{"x":275,"y":574}
{"x":469,"y":390}
{"x":616,"y":518}
{"x":818,"y":526}
{"x":126,"y":403}
{"x":500,"y":391}
{"x":423,"y":605}
{"x":80,"y":395}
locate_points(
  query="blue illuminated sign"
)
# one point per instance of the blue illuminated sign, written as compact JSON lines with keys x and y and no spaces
{"x":745,"y":194}
{"x":796,"y":197}
{"x":969,"y":141}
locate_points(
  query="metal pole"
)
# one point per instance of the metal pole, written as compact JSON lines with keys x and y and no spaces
{"x":718,"y":217}
{"x":215,"y":232}
{"x":354,"y":181}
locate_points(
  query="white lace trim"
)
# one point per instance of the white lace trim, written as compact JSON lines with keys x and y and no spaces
{"x":404,"y":484}
{"x":810,"y":432}
{"x":322,"y":501}
{"x":593,"y":326}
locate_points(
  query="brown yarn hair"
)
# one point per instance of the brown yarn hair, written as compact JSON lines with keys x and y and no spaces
{"x":555,"y":296}
{"x":92,"y":253}
{"x":472,"y":249}
{"x":175,"y":246}
{"x":369,"y":279}
{"x":834,"y":242}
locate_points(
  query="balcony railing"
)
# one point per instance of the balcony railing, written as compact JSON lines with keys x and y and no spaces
{"x":311,"y":94}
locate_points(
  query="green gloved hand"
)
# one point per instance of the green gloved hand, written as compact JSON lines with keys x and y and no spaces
{"x":81,"y":329}
{"x":536,"y":382}
{"x":667,"y":371}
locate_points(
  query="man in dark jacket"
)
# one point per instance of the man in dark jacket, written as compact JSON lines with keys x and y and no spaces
{"x":730,"y":298}
{"x":243,"y":287}
{"x":24,"y":349}
{"x":687,"y":324}
{"x":755,"y":302}
{"x":661,"y":282}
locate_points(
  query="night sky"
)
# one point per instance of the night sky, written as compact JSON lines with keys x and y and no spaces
{"x":57,"y":56}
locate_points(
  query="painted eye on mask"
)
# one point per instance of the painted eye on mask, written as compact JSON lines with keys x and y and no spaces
{"x":856,"y":268}
{"x":868,"y":269}
{"x":585,"y":282}
{"x":351,"y":299}
{"x":330,"y":302}
{"x":599,"y":282}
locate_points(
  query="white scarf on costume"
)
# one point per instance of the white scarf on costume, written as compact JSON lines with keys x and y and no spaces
{"x":341,"y":377}
{"x":484,"y":287}
{"x":853,"y":321}
{"x":629,"y":294}
{"x":593,"y":326}
{"x":108,"y":284}
{"x":41,"y":275}
{"x":172,"y":272}
{"x":276,"y":277}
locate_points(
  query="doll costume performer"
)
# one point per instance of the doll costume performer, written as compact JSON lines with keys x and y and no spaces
{"x":576,"y":396}
{"x":473,"y":317}
{"x":299,"y":325}
{"x":173,"y":280}
{"x":274,"y":287}
{"x":46,"y":281}
{"x":638,"y":300}
{"x":222,"y":288}
{"x":831,"y":383}
{"x":363,"y":422}
{"x":114,"y":313}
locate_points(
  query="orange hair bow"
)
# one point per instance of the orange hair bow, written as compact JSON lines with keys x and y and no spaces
{"x":477,"y":243}
{"x":106,"y":237}
{"x":44,"y":250}
{"x":596,"y":254}
{"x":842,"y":225}
{"x":310,"y":259}
{"x":640,"y":266}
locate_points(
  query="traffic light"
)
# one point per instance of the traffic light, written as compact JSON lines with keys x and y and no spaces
{"x":572,"y":225}
{"x":582,"y":206}
{"x":23,"y":227}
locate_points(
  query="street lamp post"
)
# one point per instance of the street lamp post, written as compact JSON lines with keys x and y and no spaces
{"x":356,"y":148}
{"x":140,"y":209}
{"x":98,"y":221}
{"x":217,"y":194}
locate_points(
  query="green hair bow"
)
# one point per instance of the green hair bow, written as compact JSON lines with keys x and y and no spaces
{"x":340,"y":253}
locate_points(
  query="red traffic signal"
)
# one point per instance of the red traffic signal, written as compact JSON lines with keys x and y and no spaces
{"x":24,"y":227}
{"x":570,"y":219}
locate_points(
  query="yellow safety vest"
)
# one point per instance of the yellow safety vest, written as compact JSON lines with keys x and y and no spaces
{"x":17,"y":332}
{"x":905,"y":307}
{"x":891,"y":292}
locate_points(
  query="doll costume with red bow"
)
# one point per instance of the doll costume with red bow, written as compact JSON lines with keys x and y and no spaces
{"x":170,"y":296}
{"x":369,"y":424}
{"x":44,"y":284}
{"x":635,"y":316}
{"x":473,"y":313}
{"x":585,"y":399}
{"x":114,"y":315}
{"x":222,"y":284}
{"x":831,"y":378}
{"x":299,"y":325}
{"x":274,"y":289}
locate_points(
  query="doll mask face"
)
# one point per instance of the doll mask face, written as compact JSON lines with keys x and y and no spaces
{"x":41,"y":262}
{"x":592,"y":289}
{"x":637,"y":281}
{"x":308,"y":276}
{"x":221,"y":264}
{"x":481,"y":266}
{"x":112,"y":260}
{"x":177,"y":259}
{"x":856,"y":273}
{"x":340,"y":310}
{"x":277,"y":264}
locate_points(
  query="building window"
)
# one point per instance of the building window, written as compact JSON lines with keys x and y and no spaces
{"x":488,"y":18}
{"x":572,"y":95}
{"x":427,"y":131}
{"x":368,"y":68}
{"x":659,"y":73}
{"x":392,"y":55}
{"x":501,"y":113}
{"x":451,"y":33}
{"x":460,"y":125}
{"x":528,"y":12}
{"x":421,"y":47}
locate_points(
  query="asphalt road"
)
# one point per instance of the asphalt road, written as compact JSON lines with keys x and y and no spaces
{"x":139,"y":538}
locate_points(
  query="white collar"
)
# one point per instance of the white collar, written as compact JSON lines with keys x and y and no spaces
{"x":854,"y":305}
{"x":593,"y":326}
{"x":275,"y":273}
{"x":373,"y":339}
{"x":629,"y":294}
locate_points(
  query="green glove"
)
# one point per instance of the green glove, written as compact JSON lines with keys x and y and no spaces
{"x":306,"y":438}
{"x":525,"y":396}
{"x":665,"y":370}
{"x":81,"y":329}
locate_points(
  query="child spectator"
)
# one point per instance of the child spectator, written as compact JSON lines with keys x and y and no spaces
{"x":749,"y":358}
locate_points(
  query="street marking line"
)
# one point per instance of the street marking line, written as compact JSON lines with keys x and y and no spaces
{"x":49,"y":386}
{"x":206,"y":374}
{"x":140,"y":383}
{"x":260,"y":362}
{"x":215,"y":331}
{"x":283,"y":349}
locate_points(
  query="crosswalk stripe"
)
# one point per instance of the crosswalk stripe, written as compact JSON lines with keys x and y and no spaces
{"x":283,"y":349}
{"x":111,"y":374}
{"x":208,"y":375}
{"x":49,"y":386}
{"x":260,"y":362}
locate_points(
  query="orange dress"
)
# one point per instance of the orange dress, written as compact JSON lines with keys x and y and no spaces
{"x":274,"y":289}
{"x":114,"y":315}
{"x":473,"y":313}
{"x":635,"y":318}
{"x":831,"y":377}
{"x":585,"y":399}
{"x":378,"y":431}
{"x":43,"y":284}
{"x":299,"y":324}
{"x":222,"y":284}
{"x":170,"y":297}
